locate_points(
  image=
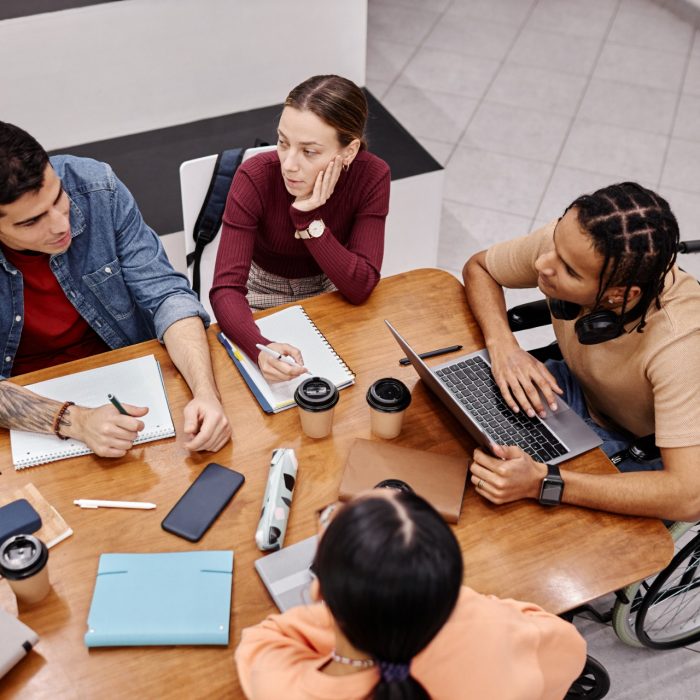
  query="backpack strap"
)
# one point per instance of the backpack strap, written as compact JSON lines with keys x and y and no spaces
{"x":210,"y":215}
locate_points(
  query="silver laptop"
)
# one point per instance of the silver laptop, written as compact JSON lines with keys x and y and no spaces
{"x":465,"y":385}
{"x":286,"y":573}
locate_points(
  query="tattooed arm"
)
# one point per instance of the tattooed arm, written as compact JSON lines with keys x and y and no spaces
{"x":104,"y":430}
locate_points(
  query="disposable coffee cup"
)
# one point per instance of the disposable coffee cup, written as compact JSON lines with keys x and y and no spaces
{"x":23,"y":562}
{"x":388,"y":399}
{"x":316,"y":398}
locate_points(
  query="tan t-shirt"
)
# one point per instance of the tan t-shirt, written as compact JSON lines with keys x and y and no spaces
{"x":645,"y":382}
{"x":489,"y":648}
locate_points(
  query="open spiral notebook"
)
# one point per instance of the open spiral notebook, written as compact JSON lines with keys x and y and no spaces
{"x":291,"y":325}
{"x":138,"y":382}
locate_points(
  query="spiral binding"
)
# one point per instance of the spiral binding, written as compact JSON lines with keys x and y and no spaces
{"x":78,"y":449}
{"x":326,"y":342}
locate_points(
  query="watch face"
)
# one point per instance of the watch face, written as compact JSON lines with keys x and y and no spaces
{"x":551,"y":491}
{"x":316,"y":228}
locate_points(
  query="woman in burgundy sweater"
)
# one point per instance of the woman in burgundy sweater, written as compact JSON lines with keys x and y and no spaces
{"x":303,"y":220}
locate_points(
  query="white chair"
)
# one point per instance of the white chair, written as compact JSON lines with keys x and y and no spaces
{"x":195,"y":176}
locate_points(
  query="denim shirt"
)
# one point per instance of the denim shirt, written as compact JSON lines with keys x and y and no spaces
{"x":115,"y":271}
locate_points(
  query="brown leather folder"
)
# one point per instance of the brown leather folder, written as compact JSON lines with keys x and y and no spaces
{"x":439,"y":479}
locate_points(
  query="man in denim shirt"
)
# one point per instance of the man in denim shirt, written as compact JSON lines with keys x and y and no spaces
{"x":81,"y":273}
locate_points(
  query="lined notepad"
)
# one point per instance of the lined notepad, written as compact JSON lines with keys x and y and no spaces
{"x":292,"y":326}
{"x":138,"y":382}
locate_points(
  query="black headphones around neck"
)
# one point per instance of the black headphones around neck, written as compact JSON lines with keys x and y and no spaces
{"x":593,"y":328}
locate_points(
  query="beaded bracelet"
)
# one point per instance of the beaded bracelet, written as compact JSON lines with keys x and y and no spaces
{"x":59,"y":417}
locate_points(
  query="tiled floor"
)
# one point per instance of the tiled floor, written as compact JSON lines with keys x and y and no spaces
{"x":529,"y":103}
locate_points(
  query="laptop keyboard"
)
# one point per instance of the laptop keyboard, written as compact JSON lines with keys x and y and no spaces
{"x":472,"y":384}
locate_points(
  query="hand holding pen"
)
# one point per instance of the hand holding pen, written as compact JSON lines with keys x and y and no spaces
{"x":280,"y":362}
{"x":106,"y":432}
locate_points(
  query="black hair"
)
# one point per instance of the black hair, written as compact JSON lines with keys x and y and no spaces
{"x":637,"y":235}
{"x":390,"y":572}
{"x":22,"y":163}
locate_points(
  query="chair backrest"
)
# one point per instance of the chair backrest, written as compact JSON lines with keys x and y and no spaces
{"x":195,"y":176}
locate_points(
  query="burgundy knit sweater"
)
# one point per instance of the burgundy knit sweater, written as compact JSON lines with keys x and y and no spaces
{"x":259,"y":224}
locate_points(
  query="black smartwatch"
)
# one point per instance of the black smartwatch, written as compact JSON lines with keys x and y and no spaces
{"x":552,"y":487}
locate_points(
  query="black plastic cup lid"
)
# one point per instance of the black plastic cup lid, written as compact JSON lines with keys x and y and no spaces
{"x":316,"y":394}
{"x":389,"y":395}
{"x":22,"y":556}
{"x":397,"y":484}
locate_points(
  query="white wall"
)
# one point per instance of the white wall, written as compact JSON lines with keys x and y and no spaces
{"x":118,"y":68}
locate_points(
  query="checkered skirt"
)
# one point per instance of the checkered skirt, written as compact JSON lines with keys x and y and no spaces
{"x":266,"y":289}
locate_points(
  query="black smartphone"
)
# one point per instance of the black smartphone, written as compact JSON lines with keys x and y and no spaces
{"x":203,"y":501}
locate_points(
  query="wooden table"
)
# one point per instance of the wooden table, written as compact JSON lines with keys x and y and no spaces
{"x":559,"y":558}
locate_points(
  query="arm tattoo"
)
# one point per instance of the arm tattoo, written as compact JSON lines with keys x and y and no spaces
{"x":23,"y":410}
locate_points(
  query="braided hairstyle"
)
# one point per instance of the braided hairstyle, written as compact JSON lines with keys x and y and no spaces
{"x":637,"y":235}
{"x":390,"y":572}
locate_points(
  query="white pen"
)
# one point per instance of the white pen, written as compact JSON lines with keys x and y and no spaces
{"x":278,"y":356}
{"x":138,"y":505}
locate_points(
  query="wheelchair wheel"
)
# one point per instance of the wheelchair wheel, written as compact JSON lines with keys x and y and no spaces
{"x":669,"y":616}
{"x":593,"y":683}
{"x":625,"y":614}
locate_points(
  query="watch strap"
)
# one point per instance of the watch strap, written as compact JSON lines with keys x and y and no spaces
{"x":553,"y":470}
{"x":553,"y":480}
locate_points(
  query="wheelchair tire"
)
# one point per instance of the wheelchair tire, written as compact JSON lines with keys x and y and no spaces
{"x":669,"y":616}
{"x":593,"y":683}
{"x":624,"y":616}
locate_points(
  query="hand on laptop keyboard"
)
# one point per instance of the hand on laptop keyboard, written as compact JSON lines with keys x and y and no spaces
{"x":519,"y":376}
{"x":471,"y":382}
{"x":508,"y":476}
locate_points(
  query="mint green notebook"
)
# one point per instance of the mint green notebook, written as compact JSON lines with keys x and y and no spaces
{"x":161,"y":599}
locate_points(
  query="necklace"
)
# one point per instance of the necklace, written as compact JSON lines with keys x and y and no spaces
{"x":355,"y":663}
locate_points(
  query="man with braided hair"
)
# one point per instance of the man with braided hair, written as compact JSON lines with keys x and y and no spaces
{"x":627,"y":321}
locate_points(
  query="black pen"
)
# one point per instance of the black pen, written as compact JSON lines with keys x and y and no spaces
{"x":115,"y":402}
{"x":432,"y":353}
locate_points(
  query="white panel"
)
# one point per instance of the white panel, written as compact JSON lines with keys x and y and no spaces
{"x":118,"y":68}
{"x":413,"y":224}
{"x":174,"y":244}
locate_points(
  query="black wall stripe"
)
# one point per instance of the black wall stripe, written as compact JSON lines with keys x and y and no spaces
{"x":149,"y":162}
{"x":9,"y":9}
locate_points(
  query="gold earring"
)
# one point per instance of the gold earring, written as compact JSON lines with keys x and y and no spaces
{"x":346,"y":167}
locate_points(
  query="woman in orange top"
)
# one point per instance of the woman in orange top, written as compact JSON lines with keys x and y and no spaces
{"x":393,"y":621}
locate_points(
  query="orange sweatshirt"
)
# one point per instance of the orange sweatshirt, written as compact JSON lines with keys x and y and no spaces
{"x":489,"y":648}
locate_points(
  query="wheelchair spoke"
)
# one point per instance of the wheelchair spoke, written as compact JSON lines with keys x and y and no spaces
{"x":662,"y":611}
{"x":670,"y":613}
{"x":678,"y":607}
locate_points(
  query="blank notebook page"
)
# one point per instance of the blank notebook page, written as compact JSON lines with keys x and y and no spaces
{"x":138,"y":382}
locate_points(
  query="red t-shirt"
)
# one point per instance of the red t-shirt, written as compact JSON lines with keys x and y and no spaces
{"x":53,"y":331}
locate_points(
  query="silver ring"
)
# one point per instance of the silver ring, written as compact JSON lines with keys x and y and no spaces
{"x":480,"y":484}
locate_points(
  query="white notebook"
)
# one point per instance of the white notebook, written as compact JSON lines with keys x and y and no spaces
{"x":293,"y":326}
{"x":138,"y":382}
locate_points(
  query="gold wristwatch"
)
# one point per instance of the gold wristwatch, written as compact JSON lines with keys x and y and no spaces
{"x":314,"y":230}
